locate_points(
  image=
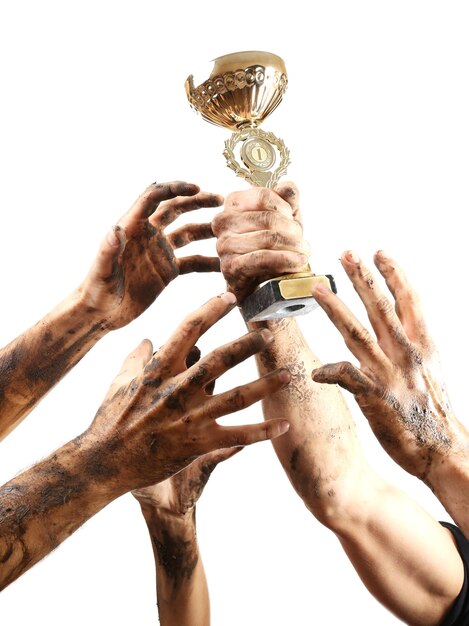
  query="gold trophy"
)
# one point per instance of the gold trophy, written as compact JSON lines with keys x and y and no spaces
{"x":242,"y":89}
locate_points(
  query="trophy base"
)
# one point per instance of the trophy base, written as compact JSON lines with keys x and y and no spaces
{"x":286,"y":296}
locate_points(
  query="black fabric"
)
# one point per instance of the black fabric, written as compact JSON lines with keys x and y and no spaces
{"x":459,"y":613}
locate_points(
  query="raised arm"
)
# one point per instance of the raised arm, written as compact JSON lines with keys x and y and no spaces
{"x":149,"y":427}
{"x":406,"y":559}
{"x":169,"y":509}
{"x":134,"y":264}
{"x":398,"y":383}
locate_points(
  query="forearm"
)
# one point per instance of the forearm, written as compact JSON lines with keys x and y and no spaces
{"x":34,"y":362}
{"x":43,"y":506}
{"x":320,"y":453}
{"x":182,"y":591}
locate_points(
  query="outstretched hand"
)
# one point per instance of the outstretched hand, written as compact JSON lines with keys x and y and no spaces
{"x":158,"y":416}
{"x":398,"y":383}
{"x":136,"y":259}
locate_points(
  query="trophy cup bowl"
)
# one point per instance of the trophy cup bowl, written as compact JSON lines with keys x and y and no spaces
{"x":241,"y":90}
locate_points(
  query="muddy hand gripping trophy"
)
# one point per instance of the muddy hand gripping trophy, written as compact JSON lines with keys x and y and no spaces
{"x":241,"y":91}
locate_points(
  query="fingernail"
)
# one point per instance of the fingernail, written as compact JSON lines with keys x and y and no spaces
{"x":382,"y":255}
{"x":321,"y":289}
{"x":284,"y":376}
{"x":228,"y":297}
{"x":283,"y":427}
{"x":112,"y":238}
{"x":266,"y":335}
{"x":352,"y":257}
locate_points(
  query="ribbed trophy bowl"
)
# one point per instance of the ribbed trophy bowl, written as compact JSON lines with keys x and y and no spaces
{"x":242,"y":89}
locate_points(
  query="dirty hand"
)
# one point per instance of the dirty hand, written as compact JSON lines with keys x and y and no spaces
{"x":136,"y":259}
{"x":259,"y":236}
{"x":398,"y":384}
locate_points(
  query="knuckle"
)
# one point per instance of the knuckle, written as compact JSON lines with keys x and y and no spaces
{"x":224,"y":244}
{"x":261,"y":259}
{"x":272,"y":239}
{"x":268,"y":219}
{"x":227,"y":265}
{"x":220,"y":247}
{"x":218,"y":223}
{"x":360,"y":334}
{"x":264,"y":197}
{"x":345,"y":368}
{"x":236,"y":265}
{"x":237,"y":401}
{"x":384,"y":306}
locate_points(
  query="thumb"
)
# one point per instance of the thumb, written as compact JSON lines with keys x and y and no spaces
{"x":135,"y":362}
{"x":109,"y":251}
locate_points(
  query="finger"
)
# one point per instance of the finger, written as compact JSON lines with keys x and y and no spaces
{"x":288,"y":239}
{"x":167,"y":213}
{"x":264,"y":263}
{"x":344,"y":374}
{"x":189,"y":233}
{"x":258,"y":199}
{"x":406,"y":299}
{"x":226,"y":357}
{"x":288,"y":191}
{"x":212,"y":459}
{"x":198,"y":263}
{"x":176,"y":350}
{"x":230,"y":436}
{"x":150,"y":199}
{"x":244,"y":395}
{"x":236,"y":222}
{"x":108,"y":254}
{"x":357,"y":339}
{"x":386,"y":324}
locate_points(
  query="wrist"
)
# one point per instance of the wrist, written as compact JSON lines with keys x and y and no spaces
{"x":94,"y":463}
{"x":82,"y":319}
{"x":175,"y":523}
{"x":450,"y":462}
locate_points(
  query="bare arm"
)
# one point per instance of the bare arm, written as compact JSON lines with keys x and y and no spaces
{"x":181,"y":584}
{"x":169,"y":509}
{"x":405,"y":558}
{"x":149,"y":427}
{"x":134,"y":264}
{"x":44,"y":505}
{"x":399,"y":385}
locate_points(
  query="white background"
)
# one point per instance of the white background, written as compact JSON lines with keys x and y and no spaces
{"x":92,"y":110}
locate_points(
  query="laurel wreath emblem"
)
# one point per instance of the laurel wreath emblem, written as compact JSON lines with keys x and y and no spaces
{"x":269,"y":179}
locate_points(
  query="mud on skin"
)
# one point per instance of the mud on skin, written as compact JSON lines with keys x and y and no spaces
{"x":177,"y":557}
{"x":300,"y":388}
{"x":309,"y":484}
{"x":59,"y":360}
{"x":21,"y":503}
